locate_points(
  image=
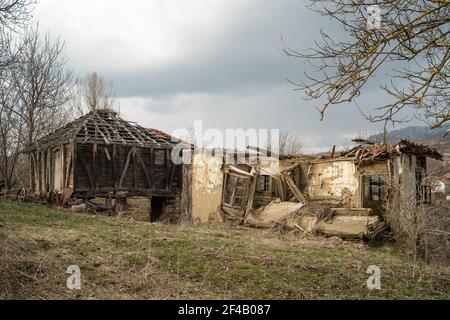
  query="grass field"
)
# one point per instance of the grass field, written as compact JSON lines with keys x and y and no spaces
{"x":122,"y":259}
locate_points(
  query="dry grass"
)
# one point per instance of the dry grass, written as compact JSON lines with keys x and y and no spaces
{"x":123,"y":259}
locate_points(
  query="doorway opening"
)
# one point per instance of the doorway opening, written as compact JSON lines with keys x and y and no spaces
{"x":157,"y":208}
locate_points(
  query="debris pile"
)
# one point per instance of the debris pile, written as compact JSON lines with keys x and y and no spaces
{"x":318,"y":219}
{"x":377,"y":151}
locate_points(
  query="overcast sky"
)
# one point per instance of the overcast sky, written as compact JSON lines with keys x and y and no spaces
{"x":219,"y":61}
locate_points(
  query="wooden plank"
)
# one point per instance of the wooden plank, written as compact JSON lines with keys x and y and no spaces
{"x":295,"y":190}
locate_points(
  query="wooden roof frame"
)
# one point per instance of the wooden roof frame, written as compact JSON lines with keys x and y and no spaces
{"x":104,"y":127}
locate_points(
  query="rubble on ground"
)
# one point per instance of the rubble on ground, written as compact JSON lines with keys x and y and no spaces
{"x":314,"y":218}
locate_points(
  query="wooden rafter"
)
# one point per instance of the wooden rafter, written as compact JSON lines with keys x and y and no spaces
{"x":104,"y":127}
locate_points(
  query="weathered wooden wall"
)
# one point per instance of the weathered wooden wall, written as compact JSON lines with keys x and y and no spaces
{"x":94,"y":169}
{"x":52,"y":169}
{"x":106,"y":168}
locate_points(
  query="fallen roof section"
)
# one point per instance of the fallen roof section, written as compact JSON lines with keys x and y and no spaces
{"x":381,"y":151}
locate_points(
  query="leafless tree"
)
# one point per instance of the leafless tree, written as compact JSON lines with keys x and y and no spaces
{"x":423,"y":229}
{"x":412,"y":39}
{"x":13,"y":15}
{"x":289,"y":144}
{"x":11,"y":133}
{"x":94,"y":93}
{"x":43,"y":83}
{"x":15,"y":12}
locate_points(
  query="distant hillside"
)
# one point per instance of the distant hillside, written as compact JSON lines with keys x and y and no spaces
{"x":425,"y":135}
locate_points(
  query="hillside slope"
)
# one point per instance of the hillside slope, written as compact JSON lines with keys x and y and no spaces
{"x":122,"y":259}
{"x":426,"y":135}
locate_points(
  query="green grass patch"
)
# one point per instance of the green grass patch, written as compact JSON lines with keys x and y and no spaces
{"x":123,"y":259}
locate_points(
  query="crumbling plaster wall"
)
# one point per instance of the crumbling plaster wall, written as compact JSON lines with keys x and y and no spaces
{"x":405,"y":167}
{"x":333,"y":180}
{"x":207,"y":185}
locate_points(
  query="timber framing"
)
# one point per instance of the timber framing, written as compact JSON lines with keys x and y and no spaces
{"x":102,"y":155}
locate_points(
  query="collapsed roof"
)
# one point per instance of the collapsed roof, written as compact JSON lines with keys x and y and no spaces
{"x":380,"y":151}
{"x":104,"y":127}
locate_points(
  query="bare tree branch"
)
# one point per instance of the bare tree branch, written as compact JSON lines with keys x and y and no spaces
{"x":414,"y":36}
{"x":94,"y":93}
{"x":42,"y":82}
{"x":289,"y":144}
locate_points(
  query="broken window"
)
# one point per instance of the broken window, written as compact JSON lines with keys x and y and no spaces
{"x":264,"y":183}
{"x":378,"y":188}
{"x":236,"y":191}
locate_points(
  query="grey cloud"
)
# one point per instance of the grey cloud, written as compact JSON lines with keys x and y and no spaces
{"x":235,"y":77}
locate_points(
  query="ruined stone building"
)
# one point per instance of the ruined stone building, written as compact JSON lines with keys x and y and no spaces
{"x":101,"y":155}
{"x":354,"y":185}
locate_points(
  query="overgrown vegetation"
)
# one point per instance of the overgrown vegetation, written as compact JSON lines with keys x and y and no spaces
{"x":423,"y":230}
{"x":123,"y":259}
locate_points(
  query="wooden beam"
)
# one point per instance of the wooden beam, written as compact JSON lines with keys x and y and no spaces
{"x":169,"y":169}
{"x":49,"y":170}
{"x":152,"y":168}
{"x":291,"y":168}
{"x":34,"y":172}
{"x":114,"y":166}
{"x":231,"y":169}
{"x":173,"y":169}
{"x":64,"y":166}
{"x":68,"y":172}
{"x":251,"y":195}
{"x":295,"y":190}
{"x":225,"y":187}
{"x":94,"y":165}
{"x":135,"y":179}
{"x":127,"y":164}
{"x":75,"y":165}
{"x":281,"y":192}
{"x":86,"y":168}
{"x":144,"y":168}
{"x":108,"y":156}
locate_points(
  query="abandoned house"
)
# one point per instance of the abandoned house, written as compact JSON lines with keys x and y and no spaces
{"x":101,"y":155}
{"x":353,"y":185}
